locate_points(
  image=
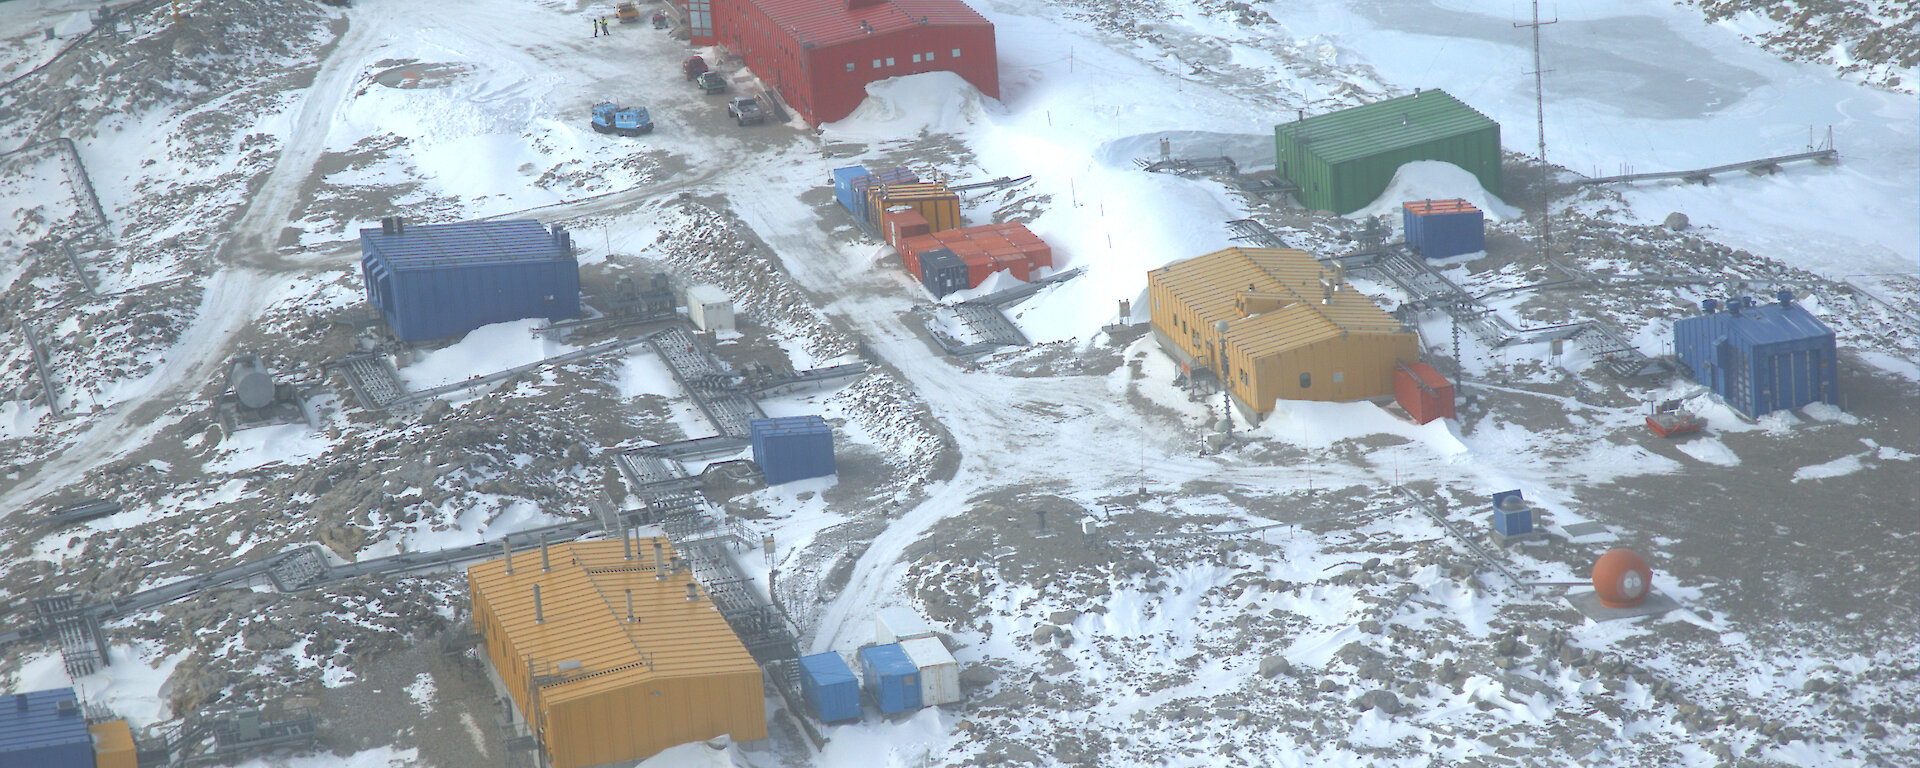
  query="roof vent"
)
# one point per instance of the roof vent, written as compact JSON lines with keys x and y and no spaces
{"x":66,"y":707}
{"x":20,"y":702}
{"x":1709,"y":305}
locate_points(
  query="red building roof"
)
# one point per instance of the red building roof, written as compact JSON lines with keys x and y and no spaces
{"x":830,"y":22}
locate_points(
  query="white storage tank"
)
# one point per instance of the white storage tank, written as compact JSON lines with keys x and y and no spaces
{"x":709,"y":308}
{"x":939,"y":673}
{"x":895,"y":623}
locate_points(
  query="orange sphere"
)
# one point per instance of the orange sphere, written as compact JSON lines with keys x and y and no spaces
{"x":1622,"y":578}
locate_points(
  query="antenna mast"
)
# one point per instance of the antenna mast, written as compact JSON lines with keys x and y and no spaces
{"x":1540,"y":117}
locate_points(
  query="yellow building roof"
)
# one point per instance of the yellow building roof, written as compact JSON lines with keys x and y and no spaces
{"x":1308,"y":313}
{"x":583,"y":602}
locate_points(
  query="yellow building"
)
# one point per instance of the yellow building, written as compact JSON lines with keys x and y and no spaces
{"x":1294,"y":329}
{"x":600,"y":682}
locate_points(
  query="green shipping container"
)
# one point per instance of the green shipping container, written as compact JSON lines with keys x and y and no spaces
{"x":1343,"y":160}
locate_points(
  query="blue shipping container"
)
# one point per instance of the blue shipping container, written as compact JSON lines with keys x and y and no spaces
{"x":890,"y":677}
{"x":435,"y":281}
{"x":829,"y":685}
{"x":792,"y":448}
{"x":1761,"y":358}
{"x":1512,"y":515}
{"x":942,"y":272}
{"x":843,"y":185}
{"x":1438,"y":229}
{"x":858,"y":187}
{"x":36,"y":731}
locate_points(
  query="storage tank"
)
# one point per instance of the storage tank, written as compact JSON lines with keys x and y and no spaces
{"x":1622,"y":579}
{"x":939,"y":673}
{"x":252,"y":384}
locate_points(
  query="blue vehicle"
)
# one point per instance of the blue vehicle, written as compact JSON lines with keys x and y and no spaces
{"x":624,"y":121}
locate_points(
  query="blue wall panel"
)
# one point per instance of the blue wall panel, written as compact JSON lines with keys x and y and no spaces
{"x":829,"y":685}
{"x":441,"y":281}
{"x":35,"y":732}
{"x":792,"y":448}
{"x":890,"y":677}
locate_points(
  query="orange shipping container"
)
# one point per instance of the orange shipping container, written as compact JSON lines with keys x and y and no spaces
{"x":940,"y":207}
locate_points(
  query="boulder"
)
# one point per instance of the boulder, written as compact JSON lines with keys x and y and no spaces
{"x":1273,"y":666}
{"x":1676,"y":221}
{"x":1382,"y":700}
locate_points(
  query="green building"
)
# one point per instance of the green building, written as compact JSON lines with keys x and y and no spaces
{"x":1343,"y":160}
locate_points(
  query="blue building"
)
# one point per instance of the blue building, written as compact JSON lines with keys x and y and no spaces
{"x":1760,"y":358}
{"x":44,"y":729}
{"x":438,"y":281}
{"x":891,"y":678}
{"x":792,"y":448}
{"x":828,"y":684}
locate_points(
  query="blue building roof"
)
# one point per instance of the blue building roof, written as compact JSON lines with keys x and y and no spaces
{"x":888,"y":660}
{"x":827,"y":668}
{"x":463,"y":244}
{"x":1774,"y":323}
{"x":30,"y":721}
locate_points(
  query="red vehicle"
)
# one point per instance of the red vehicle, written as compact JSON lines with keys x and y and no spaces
{"x":693,"y":67}
{"x":1668,"y":421}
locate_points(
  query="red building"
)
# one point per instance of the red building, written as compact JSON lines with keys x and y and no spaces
{"x":819,"y":55}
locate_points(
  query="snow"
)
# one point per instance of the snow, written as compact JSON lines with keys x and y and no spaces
{"x":1435,"y":180}
{"x":258,"y":447}
{"x":484,"y":350}
{"x":421,"y":690}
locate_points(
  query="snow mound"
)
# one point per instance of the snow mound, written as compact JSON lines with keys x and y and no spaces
{"x":931,"y":102}
{"x":715,"y":753}
{"x":1435,"y":180}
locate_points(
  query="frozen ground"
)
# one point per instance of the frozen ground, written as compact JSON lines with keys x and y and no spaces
{"x":236,"y":157}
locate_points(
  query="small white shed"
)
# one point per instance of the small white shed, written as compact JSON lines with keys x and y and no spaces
{"x":709,"y":308}
{"x":894,"y":623}
{"x":939,"y":672}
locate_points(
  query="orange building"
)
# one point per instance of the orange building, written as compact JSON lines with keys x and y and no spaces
{"x":1293,"y":329}
{"x":612,"y":659}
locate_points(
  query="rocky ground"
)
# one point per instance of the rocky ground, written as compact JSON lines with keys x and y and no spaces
{"x":1092,"y":649}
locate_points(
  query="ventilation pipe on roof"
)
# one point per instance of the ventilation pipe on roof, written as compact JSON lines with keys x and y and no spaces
{"x":1404,"y":120}
{"x":507,"y":548}
{"x":630,"y":617}
{"x":538,"y":616}
{"x":545,"y":564}
{"x":659,"y":561}
{"x":693,"y":592}
{"x":1416,"y":91}
{"x":626,"y":543}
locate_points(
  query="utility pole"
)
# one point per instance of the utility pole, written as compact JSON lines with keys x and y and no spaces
{"x":1540,"y":116}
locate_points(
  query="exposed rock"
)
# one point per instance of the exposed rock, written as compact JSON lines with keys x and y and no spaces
{"x":1273,"y":666}
{"x":1045,"y":633}
{"x":1676,"y":221}
{"x":1063,"y":618}
{"x":1382,"y":700}
{"x":978,"y":675}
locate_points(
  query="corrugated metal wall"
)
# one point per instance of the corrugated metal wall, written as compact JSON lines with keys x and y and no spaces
{"x":1358,"y":366}
{"x":645,"y":718}
{"x":1441,"y":129}
{"x":1761,"y":360}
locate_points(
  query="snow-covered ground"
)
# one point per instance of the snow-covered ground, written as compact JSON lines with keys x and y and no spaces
{"x":1373,"y":638}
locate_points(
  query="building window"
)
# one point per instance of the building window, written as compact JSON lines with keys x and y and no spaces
{"x":1339,"y":376}
{"x":916,"y":58}
{"x":929,"y":55}
{"x":1306,"y":380}
{"x":876,"y":63}
{"x":889,"y":61}
{"x":849,"y":66}
{"x":1243,"y":376}
{"x":956,"y":53}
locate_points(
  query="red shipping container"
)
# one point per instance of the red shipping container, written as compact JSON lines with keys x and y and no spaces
{"x":1038,"y":254}
{"x":979,"y":266}
{"x":1014,"y":263}
{"x":910,"y":249}
{"x":903,"y":222}
{"x":1423,"y":392}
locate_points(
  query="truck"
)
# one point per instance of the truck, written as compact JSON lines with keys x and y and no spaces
{"x":628,"y":13}
{"x":746,"y":111}
{"x":622,"y":121}
{"x":712,"y":82}
{"x":693,"y":66}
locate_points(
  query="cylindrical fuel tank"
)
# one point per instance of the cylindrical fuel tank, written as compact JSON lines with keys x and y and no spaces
{"x":251,"y":382}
